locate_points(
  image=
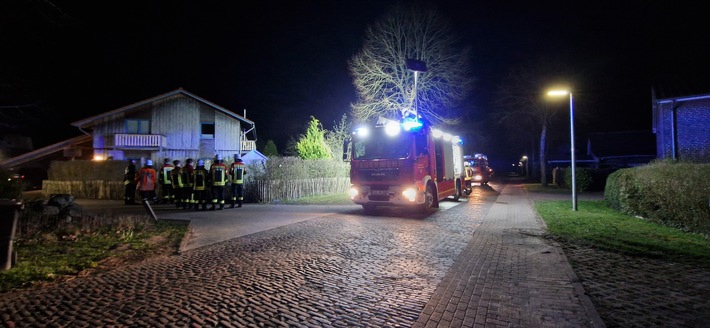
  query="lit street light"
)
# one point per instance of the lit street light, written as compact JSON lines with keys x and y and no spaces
{"x":525,"y":159}
{"x":556,"y":93}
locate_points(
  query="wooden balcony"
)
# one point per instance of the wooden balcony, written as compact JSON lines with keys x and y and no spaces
{"x":123,"y":140}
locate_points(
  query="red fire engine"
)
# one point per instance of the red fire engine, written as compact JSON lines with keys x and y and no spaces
{"x":404,"y":163}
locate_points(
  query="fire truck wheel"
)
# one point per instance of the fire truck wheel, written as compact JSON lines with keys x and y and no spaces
{"x":429,"y":199}
{"x":457,"y":195}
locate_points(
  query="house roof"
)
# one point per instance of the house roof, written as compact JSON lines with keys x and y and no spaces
{"x":90,"y":121}
{"x":621,"y":144}
{"x":45,"y":151}
{"x":253,"y":155}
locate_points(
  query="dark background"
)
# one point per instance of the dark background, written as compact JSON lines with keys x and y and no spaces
{"x":68,"y":60}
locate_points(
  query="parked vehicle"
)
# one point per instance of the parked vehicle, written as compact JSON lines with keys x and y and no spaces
{"x":404,"y":163}
{"x":479,"y":171}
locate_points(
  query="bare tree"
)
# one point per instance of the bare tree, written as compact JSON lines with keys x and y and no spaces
{"x":522,"y":107}
{"x":335,"y":137}
{"x":386,"y":86}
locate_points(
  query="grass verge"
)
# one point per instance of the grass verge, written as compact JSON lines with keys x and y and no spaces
{"x":597,"y":225}
{"x":56,"y":256}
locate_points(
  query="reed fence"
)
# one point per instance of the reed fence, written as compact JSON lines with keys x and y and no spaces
{"x":261,"y":190}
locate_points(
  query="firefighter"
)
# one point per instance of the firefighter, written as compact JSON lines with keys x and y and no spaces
{"x":176,"y":179}
{"x":200,"y":187}
{"x":236,"y":174}
{"x":145,"y":182}
{"x":166,"y":187}
{"x":129,"y":181}
{"x":218,"y":182}
{"x":188,"y":200}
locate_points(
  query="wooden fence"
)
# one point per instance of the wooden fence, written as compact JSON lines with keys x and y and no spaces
{"x":255,"y":190}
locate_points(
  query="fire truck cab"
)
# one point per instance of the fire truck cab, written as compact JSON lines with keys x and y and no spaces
{"x":403,"y":163}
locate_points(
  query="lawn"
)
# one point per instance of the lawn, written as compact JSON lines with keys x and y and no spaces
{"x":596,"y":225}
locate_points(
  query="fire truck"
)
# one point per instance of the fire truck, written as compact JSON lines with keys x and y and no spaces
{"x":403,"y":163}
{"x":477,"y":171}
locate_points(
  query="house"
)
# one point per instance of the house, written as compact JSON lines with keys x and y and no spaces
{"x":682,"y":127}
{"x":621,"y":149}
{"x":175,"y":125}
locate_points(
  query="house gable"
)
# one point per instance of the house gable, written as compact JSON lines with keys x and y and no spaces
{"x":175,"y":125}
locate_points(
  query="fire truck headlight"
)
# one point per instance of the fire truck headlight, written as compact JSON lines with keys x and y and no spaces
{"x":477,"y":177}
{"x":362,"y":132}
{"x":410,"y":194}
{"x":353,"y":192}
{"x":392,"y":129}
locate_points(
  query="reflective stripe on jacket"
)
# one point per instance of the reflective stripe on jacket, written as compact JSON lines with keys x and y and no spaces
{"x":237,"y":172}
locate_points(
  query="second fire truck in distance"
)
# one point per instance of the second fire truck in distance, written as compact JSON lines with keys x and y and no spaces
{"x":404,"y":163}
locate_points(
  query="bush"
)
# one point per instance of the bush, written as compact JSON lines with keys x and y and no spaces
{"x":670,"y":193}
{"x":583,"y":175}
{"x":82,"y":170}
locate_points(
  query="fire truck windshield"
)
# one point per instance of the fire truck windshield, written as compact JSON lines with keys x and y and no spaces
{"x":379,"y":145}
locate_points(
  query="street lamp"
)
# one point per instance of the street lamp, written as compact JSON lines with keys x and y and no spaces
{"x":415,"y":66}
{"x":557,"y":93}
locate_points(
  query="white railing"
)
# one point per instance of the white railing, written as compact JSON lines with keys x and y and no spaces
{"x":248,"y":145}
{"x":139,"y":140}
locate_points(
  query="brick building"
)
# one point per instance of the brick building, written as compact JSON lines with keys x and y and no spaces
{"x":682,"y":127}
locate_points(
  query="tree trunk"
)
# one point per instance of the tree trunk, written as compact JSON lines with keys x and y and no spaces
{"x":543,"y":158}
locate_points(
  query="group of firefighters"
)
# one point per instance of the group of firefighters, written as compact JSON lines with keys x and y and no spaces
{"x":187,"y":186}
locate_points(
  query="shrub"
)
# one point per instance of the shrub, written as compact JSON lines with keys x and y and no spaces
{"x":583,"y":175}
{"x":670,"y":193}
{"x":86,"y":170}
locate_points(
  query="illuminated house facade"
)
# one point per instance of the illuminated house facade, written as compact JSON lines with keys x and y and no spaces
{"x":175,"y":125}
{"x":682,"y":128}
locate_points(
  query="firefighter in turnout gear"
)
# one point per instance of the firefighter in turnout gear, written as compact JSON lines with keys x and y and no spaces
{"x":200,"y":187}
{"x":218,"y":182}
{"x":166,"y":186}
{"x":188,"y":201}
{"x":236,"y":174}
{"x":129,"y":181}
{"x":176,"y":178}
{"x":145,"y":182}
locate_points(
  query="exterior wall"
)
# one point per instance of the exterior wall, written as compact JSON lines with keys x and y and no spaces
{"x":694,"y":131}
{"x":176,"y":119}
{"x":226,"y":136}
{"x":691,"y":128}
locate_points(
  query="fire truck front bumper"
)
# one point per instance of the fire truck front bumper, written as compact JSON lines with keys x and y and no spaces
{"x":392,"y":196}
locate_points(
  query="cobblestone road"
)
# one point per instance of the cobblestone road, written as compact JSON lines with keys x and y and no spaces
{"x":342,"y":270}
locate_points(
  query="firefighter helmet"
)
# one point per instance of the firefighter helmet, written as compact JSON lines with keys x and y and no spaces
{"x":149,"y":162}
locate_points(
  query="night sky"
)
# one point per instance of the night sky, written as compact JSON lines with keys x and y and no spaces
{"x":286,"y":62}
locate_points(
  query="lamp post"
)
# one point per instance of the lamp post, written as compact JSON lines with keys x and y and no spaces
{"x":415,"y":66}
{"x":573,"y":166}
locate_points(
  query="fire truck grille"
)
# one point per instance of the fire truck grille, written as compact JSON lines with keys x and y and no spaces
{"x":380,"y":174}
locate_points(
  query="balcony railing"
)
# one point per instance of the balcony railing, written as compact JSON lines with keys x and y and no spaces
{"x":122,"y":140}
{"x":248,"y":145}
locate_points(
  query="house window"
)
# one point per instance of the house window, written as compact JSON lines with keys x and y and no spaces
{"x":138,"y":126}
{"x":207,"y":131}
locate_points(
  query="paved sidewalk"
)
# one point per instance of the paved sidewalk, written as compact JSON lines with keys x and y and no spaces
{"x":509,"y":276}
